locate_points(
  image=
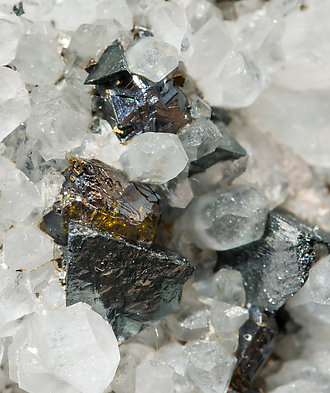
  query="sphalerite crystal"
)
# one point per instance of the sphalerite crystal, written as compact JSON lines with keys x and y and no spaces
{"x":129,"y":284}
{"x":106,"y":221}
{"x":275,"y":267}
{"x":96,"y":193}
{"x":133,"y":104}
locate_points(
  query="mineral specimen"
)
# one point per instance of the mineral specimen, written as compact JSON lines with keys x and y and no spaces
{"x":276,"y":266}
{"x":111,"y":66}
{"x":128,"y":284}
{"x":257,"y":339}
{"x":154,"y":158}
{"x":227,"y":219}
{"x":100,"y":195}
{"x":207,"y":143}
{"x":43,"y":351}
{"x":131,"y":103}
{"x":151,"y":58}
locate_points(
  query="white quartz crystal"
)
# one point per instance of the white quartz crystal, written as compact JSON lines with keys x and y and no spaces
{"x":37,"y":59}
{"x":19,"y":197}
{"x":70,"y":14}
{"x":116,"y":10}
{"x":264,"y":169}
{"x":210,"y":366}
{"x":210,"y":43}
{"x":227,"y":318}
{"x":59,"y":121}
{"x":14,"y":101}
{"x":298,"y":119}
{"x":35,"y":247}
{"x":152,"y":58}
{"x":237,"y":84}
{"x":71,"y":349}
{"x":131,"y":355}
{"x":227,"y":219}
{"x":168,"y":23}
{"x":153,"y":375}
{"x":305,"y":48}
{"x":154,"y":157}
{"x":90,"y":41}
{"x":11,"y":30}
{"x":16,"y":296}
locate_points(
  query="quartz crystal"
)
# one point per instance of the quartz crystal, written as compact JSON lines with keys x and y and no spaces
{"x":209,"y":366}
{"x":168,"y":23}
{"x":154,"y":158}
{"x":14,"y":101}
{"x":299,"y":116}
{"x":138,"y":284}
{"x":49,"y":352}
{"x":11,"y":30}
{"x":116,"y":10}
{"x":16,"y":295}
{"x":277,"y":266}
{"x":228,"y":219}
{"x":152,"y":58}
{"x":37,"y":59}
{"x":59,"y":121}
{"x":35,"y":248}
{"x":207,"y":143}
{"x":19,"y":197}
{"x":153,"y":375}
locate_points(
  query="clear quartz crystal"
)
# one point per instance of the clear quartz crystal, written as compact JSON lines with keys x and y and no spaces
{"x":71,"y":349}
{"x":154,"y":157}
{"x":14,"y":101}
{"x":152,"y":58}
{"x":37,"y":59}
{"x":168,"y":23}
{"x":227,"y":219}
{"x":11,"y":30}
{"x":35,"y":247}
{"x":19,"y":196}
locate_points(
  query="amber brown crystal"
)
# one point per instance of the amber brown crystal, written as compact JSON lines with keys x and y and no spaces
{"x":98,"y":194}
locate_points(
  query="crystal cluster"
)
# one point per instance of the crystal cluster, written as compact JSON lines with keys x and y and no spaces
{"x":164,"y":196}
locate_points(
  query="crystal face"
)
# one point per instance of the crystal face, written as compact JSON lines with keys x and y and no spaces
{"x":137,"y":209}
{"x":128,"y":284}
{"x":100,"y":195}
{"x":276,"y":266}
{"x":133,"y":104}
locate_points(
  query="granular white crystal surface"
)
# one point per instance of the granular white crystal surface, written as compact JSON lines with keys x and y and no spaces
{"x":152,"y":58}
{"x":154,"y":157}
{"x":11,"y":30}
{"x":228,"y":219}
{"x":71,"y":349}
{"x":14,"y":101}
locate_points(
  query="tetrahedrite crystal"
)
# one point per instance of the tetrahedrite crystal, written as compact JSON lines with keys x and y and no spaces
{"x":128,"y":284}
{"x":112,"y":63}
{"x":133,"y":104}
{"x":98,"y":194}
{"x":227,"y":219}
{"x":276,"y":266}
{"x":207,"y":143}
